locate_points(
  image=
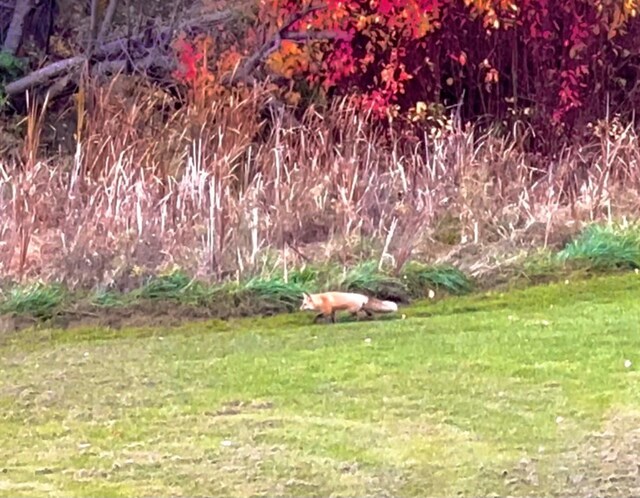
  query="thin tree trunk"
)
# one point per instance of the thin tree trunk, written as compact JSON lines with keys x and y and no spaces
{"x":13,"y":40}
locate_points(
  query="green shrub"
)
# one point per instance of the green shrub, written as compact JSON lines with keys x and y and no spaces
{"x":174,"y":286}
{"x":258,"y":296}
{"x":367,"y":279}
{"x":420,"y":278}
{"x":108,"y":299}
{"x":38,"y":299}
{"x":605,"y":247}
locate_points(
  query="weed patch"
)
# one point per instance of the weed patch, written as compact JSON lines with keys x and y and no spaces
{"x":605,"y":248}
{"x":38,"y":300}
{"x":176,"y":285}
{"x":269,"y":296}
{"x":367,"y":279}
{"x":420,"y":278}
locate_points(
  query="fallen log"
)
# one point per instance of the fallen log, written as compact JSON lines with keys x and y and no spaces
{"x":142,"y":52}
{"x":43,"y":75}
{"x":114,"y":54}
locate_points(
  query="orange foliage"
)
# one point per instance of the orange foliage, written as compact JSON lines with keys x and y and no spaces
{"x":497,"y":53}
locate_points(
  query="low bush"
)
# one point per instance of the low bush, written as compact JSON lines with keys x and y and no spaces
{"x":605,"y":247}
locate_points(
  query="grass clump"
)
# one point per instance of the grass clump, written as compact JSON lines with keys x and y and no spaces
{"x":38,"y":300}
{"x":176,"y":285}
{"x":108,"y":299}
{"x":419,"y":278}
{"x":368,"y":279}
{"x":542,"y":266}
{"x":268,"y":296}
{"x":257,"y":296}
{"x":541,"y":263}
{"x":605,"y":248}
{"x":307,"y":276}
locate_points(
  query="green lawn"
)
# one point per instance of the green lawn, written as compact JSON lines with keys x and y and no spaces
{"x":514,"y":394}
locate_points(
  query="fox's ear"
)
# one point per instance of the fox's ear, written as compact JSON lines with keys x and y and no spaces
{"x":306,"y":295}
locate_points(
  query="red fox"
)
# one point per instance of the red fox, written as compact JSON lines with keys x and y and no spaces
{"x":328,"y":303}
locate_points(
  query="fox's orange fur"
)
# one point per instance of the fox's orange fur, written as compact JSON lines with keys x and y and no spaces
{"x":328,"y":303}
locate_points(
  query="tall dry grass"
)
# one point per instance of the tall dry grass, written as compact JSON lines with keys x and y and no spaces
{"x":227,"y":189}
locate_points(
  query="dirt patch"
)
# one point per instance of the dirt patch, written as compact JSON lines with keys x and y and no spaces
{"x":140,"y":314}
{"x":238,"y":407}
{"x":13,"y":323}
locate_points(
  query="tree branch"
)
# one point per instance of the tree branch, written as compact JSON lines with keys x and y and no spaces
{"x":13,"y":38}
{"x":60,"y":85}
{"x":208,"y":19}
{"x":301,"y":15}
{"x":325,"y":34}
{"x":271,"y":45}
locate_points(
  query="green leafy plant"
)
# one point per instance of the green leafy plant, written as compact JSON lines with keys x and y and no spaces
{"x":39,"y":300}
{"x":11,"y":67}
{"x":420,"y":278}
{"x":271,"y":295}
{"x":176,"y":285}
{"x":605,"y":247}
{"x":366,"y":278}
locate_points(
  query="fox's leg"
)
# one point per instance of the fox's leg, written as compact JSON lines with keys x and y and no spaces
{"x":318,"y":316}
{"x":333,"y":316}
{"x":353,"y":311}
{"x":369,"y":314}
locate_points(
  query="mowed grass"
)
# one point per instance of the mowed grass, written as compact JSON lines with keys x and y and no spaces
{"x":486,"y":394}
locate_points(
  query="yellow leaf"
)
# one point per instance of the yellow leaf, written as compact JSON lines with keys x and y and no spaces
{"x":292,"y":97}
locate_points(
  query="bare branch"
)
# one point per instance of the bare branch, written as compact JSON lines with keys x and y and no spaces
{"x":13,"y":38}
{"x":270,"y":46}
{"x":208,"y":19}
{"x":301,"y":15}
{"x":327,"y":34}
{"x":60,"y":85}
{"x":252,"y":62}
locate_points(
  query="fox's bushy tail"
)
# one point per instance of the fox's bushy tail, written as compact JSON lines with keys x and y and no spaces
{"x":380,"y":306}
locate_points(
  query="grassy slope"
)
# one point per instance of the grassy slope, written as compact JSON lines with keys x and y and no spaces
{"x":464,"y":396}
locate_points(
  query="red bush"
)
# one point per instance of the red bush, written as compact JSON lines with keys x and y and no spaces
{"x":550,"y":62}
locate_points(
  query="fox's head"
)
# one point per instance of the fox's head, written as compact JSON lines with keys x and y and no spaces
{"x":307,"y":302}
